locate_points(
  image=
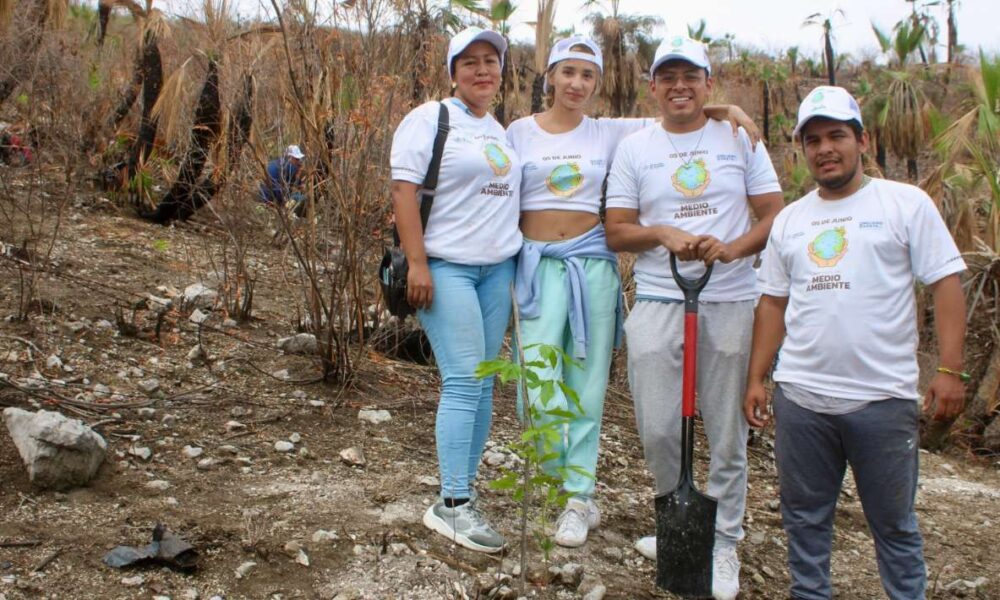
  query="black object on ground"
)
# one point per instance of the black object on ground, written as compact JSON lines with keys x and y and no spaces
{"x":166,"y":549}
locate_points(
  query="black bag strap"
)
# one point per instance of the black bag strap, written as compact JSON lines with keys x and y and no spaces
{"x":427,"y":191}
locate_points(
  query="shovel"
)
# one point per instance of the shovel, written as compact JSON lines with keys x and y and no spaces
{"x":685,"y":518}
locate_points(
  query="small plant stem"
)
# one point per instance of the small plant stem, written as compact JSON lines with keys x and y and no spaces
{"x":527,"y":470}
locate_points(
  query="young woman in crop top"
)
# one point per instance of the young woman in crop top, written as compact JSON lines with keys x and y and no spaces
{"x":567,"y":285}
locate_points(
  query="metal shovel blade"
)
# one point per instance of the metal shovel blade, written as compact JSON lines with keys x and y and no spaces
{"x":685,"y":536}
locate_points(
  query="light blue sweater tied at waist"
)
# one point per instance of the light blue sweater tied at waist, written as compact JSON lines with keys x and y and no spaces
{"x":592,"y":244}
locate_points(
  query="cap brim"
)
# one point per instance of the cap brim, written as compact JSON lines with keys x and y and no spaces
{"x":659,"y":62}
{"x":827,"y":114}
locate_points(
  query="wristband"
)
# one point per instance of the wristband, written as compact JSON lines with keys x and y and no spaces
{"x":962,"y":375}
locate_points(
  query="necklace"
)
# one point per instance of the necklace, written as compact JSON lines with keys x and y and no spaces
{"x":691,"y":154}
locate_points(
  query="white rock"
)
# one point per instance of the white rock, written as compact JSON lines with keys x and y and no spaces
{"x":302,"y":558}
{"x":169,"y":420}
{"x":53,"y":362}
{"x":146,"y":412}
{"x":193,"y":451}
{"x":374,"y":417}
{"x":134,"y":581}
{"x":197,"y":354}
{"x":190,"y":594}
{"x":149,"y":386}
{"x":104,"y":324}
{"x":322,"y":535}
{"x":317,"y":403}
{"x":141,"y":452}
{"x":353,"y":456}
{"x":295,"y":438}
{"x":229,"y":324}
{"x":228,"y":449}
{"x":60,"y":453}
{"x":158,"y":484}
{"x":284,"y":446}
{"x":244,"y":569}
{"x":303,"y":343}
{"x":197,"y":295}
{"x":207,"y":464}
{"x":429,"y":480}
{"x":494,"y":459}
{"x":197,"y":317}
{"x":298,"y":395}
{"x":234,"y":426}
{"x":281,"y":374}
{"x":102,"y":391}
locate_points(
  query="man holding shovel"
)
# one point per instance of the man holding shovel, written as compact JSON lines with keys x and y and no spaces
{"x":689,"y":187}
{"x":837,"y":278}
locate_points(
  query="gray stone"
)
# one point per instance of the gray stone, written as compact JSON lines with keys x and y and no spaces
{"x":141,"y":452}
{"x":197,"y":295}
{"x":317,"y":403}
{"x":158,"y":304}
{"x":190,"y":594}
{"x":592,"y":584}
{"x":134,"y":581}
{"x":244,"y":569}
{"x":353,"y":456}
{"x":303,"y":343}
{"x":234,"y":426}
{"x":284,"y":446}
{"x":193,"y":451}
{"x":197,"y":354}
{"x":53,"y":362}
{"x":158,"y":484}
{"x":374,"y":417}
{"x":571,"y":574}
{"x":146,"y":412}
{"x":60,"y":453}
{"x":281,"y":374}
{"x":295,"y":438}
{"x":229,"y":324}
{"x":322,"y":535}
{"x":207,"y":464}
{"x":197,"y":317}
{"x":757,"y":538}
{"x":149,"y":386}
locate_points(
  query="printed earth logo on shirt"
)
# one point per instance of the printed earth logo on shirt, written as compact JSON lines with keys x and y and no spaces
{"x":829,"y":247}
{"x":565,"y":180}
{"x":497,"y":159}
{"x":691,"y":179}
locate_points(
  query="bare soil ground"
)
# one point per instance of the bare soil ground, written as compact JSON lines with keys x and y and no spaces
{"x":252,"y":501}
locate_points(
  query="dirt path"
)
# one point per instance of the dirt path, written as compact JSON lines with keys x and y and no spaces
{"x":252,"y":503}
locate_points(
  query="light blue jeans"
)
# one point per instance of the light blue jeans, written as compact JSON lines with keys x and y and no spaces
{"x":465,"y":324}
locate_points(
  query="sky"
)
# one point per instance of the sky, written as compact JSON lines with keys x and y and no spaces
{"x":774,"y":25}
{"x":769,"y":25}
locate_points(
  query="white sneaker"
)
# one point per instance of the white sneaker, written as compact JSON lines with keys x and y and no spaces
{"x":646,"y":546}
{"x":571,"y":528}
{"x":725,"y":573}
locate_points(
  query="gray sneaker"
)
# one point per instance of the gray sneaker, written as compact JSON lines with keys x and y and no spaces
{"x":463,"y":525}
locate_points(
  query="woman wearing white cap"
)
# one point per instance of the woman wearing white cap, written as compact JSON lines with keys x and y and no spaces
{"x":568,"y":286}
{"x":461,"y":266}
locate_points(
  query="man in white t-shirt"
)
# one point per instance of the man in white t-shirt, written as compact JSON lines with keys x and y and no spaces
{"x":837,"y":280}
{"x":689,"y":187}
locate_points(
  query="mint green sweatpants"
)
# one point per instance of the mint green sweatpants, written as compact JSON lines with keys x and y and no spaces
{"x":578,"y":446}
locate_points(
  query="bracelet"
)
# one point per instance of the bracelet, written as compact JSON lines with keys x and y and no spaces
{"x":964,"y":376}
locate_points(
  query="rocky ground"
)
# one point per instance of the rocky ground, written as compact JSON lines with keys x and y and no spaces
{"x":291,"y":488}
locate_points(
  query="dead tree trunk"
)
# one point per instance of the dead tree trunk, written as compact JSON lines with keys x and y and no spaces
{"x":152,"y":81}
{"x":180,"y":201}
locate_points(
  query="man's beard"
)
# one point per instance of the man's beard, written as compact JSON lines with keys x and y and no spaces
{"x":837,"y":182}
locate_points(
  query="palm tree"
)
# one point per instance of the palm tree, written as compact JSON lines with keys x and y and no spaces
{"x":952,"y":31}
{"x":619,"y":35}
{"x":698,"y":33}
{"x":968,"y":182}
{"x":543,"y":39}
{"x":901,"y":121}
{"x":817,"y":19}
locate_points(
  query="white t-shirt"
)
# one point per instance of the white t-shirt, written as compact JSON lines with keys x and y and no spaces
{"x":565,"y":171}
{"x":708,"y":194}
{"x":474,"y":219}
{"x":848,"y":267}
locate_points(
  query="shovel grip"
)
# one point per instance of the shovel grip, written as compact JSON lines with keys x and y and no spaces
{"x":690,"y":363}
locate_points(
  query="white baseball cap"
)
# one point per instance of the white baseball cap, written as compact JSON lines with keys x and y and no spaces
{"x":682,"y":48}
{"x":831,"y":102}
{"x":295,"y":152}
{"x":466,"y":37}
{"x":562,"y":50}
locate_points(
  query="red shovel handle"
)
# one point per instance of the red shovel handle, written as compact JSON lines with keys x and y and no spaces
{"x":691,"y":288}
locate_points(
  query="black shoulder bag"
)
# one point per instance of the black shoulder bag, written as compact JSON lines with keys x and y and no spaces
{"x":393,"y":269}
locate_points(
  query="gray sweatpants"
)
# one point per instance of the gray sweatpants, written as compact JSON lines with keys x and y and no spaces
{"x":655,"y":334}
{"x":813,"y":451}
